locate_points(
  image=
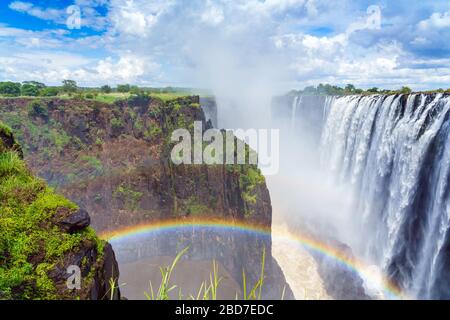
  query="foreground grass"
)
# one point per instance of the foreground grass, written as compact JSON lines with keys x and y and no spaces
{"x":208,"y":289}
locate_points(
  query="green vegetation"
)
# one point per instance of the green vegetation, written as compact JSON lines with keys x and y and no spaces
{"x":350,"y":89}
{"x":6,"y":132}
{"x":49,"y":92}
{"x":108,"y":94}
{"x":194,"y":208}
{"x":111,"y":97}
{"x":249,"y":179}
{"x":208,"y":289}
{"x":105,"y":93}
{"x":94,"y":163}
{"x":37,"y":109}
{"x":106,"y":89}
{"x":32,"y":88}
{"x":69,"y":86}
{"x":31,"y":245}
{"x":116,"y":124}
{"x":405,"y":90}
{"x":122,"y":88}
{"x":129,"y":196}
{"x":10,"y":89}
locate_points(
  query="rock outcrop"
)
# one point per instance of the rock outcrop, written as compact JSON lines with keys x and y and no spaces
{"x":43,"y":235}
{"x":114,"y":161}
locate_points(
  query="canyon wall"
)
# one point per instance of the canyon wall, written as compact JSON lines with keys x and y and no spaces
{"x":42,"y":234}
{"x":114,"y":161}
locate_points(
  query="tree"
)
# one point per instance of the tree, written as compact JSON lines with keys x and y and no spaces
{"x":29,"y":89}
{"x":49,"y":92}
{"x":69,"y":86}
{"x":405,"y":90}
{"x":309,"y":90}
{"x":123,"y":88}
{"x":134,"y":90}
{"x":10,"y":88}
{"x":106,"y":89}
{"x":350,"y":88}
{"x":373,"y":90}
{"x":40,"y":85}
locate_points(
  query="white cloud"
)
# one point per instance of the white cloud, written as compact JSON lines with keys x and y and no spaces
{"x":56,"y":15}
{"x":136,"y":17}
{"x":128,"y":68}
{"x":212,"y":15}
{"x":234,"y":45}
{"x":436,"y":21}
{"x":90,"y":17}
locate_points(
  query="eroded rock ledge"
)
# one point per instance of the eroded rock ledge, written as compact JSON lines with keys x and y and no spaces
{"x":42,"y":234}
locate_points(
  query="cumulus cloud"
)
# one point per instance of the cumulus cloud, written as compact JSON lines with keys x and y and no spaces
{"x":127,"y":68}
{"x":90,"y":17}
{"x":247,"y":45}
{"x":213,"y":14}
{"x":57,"y":15}
{"x":54,"y":66}
{"x":436,"y":21}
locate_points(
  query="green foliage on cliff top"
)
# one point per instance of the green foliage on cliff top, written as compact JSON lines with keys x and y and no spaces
{"x":350,"y":89}
{"x":30,"y":244}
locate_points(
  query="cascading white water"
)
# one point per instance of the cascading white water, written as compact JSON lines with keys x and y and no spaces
{"x":394,"y":154}
{"x":297,"y":101}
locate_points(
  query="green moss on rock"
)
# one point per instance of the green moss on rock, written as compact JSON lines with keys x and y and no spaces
{"x":31,"y":243}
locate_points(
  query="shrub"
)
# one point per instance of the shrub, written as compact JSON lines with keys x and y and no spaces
{"x":405,"y":90}
{"x":94,"y":163}
{"x":10,"y":88}
{"x":106,"y":89}
{"x":30,"y":90}
{"x":49,"y":92}
{"x":123,"y":88}
{"x":10,"y":163}
{"x":69,"y":86}
{"x":36,"y":109}
{"x":116,"y":124}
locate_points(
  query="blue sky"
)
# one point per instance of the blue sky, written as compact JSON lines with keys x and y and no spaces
{"x":287,"y":43}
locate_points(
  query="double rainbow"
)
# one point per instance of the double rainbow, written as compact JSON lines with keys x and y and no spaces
{"x":390,"y":290}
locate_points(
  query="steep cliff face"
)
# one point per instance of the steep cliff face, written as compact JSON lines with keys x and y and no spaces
{"x":42,"y":234}
{"x":304,"y":115}
{"x":209,"y":107}
{"x":114,"y":161}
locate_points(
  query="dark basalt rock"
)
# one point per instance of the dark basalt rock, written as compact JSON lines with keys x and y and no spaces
{"x":101,"y":286}
{"x":7,"y":142}
{"x":73,"y":222}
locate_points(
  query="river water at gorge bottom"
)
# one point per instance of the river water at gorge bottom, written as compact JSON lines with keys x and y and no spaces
{"x":299,"y":267}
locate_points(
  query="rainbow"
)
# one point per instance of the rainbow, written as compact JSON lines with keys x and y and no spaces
{"x":390,"y":290}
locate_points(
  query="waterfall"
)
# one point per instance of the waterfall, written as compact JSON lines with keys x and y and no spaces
{"x":393,"y":153}
{"x":296,"y":102}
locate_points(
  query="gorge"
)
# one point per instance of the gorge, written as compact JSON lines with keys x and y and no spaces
{"x":113,"y":160}
{"x":359,"y":210}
